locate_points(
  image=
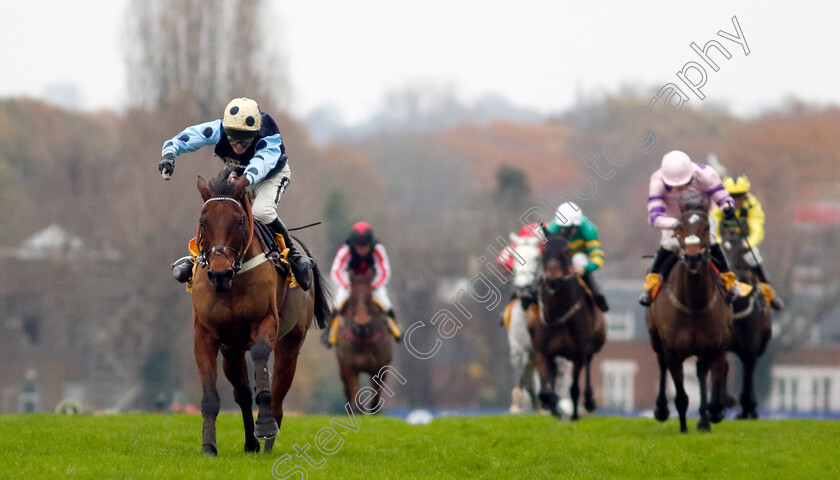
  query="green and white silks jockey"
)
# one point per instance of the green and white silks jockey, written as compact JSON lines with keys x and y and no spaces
{"x":582,"y":237}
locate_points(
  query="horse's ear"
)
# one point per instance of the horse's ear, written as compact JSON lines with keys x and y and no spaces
{"x":239,"y":188}
{"x":206,"y":194}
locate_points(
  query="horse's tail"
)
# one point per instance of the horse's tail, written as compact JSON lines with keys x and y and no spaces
{"x":322,"y":292}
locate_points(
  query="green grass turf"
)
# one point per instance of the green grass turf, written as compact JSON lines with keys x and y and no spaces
{"x":504,"y":447}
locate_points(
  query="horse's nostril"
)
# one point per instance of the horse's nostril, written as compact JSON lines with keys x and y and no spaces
{"x":220,"y":277}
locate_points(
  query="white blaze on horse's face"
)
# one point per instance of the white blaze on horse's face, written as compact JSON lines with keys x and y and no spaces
{"x":694,"y":218}
{"x":693,"y":245}
{"x":692,"y":240}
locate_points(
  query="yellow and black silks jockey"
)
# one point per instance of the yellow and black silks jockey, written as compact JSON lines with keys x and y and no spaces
{"x":582,"y":237}
{"x":749,"y":216}
{"x":360,"y":253}
{"x":249,"y":140}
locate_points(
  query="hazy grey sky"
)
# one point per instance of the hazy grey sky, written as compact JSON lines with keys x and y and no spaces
{"x":537,"y":53}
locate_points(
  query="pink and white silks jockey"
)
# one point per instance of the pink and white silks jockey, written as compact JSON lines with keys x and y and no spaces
{"x":681,"y":179}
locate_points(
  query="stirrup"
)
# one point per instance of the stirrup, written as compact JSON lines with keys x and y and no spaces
{"x":646,"y":298}
{"x":182,"y":269}
{"x":301,"y":266}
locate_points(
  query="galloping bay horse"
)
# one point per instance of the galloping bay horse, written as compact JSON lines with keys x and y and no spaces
{"x":241,"y":302}
{"x":690,"y":316}
{"x":526,"y":380}
{"x":567,"y":324}
{"x":364,"y":340}
{"x":752,"y":325}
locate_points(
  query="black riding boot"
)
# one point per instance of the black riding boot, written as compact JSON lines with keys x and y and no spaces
{"x":758,"y":271}
{"x":600,"y":299}
{"x":301,"y":265}
{"x":722,"y":263}
{"x":659,"y":260}
{"x":182,"y":269}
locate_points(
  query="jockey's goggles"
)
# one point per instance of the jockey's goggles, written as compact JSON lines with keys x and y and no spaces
{"x":245,"y":139}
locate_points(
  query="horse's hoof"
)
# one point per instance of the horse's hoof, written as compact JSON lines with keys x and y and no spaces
{"x":549,"y":399}
{"x":266,"y":429}
{"x":589,"y":405}
{"x":730,"y":401}
{"x":703,"y":425}
{"x":252,"y":445}
{"x":575,"y":417}
{"x":717,"y":417}
{"x":269,"y":445}
{"x":747,"y":416}
{"x":661,"y":414}
{"x":209,"y":450}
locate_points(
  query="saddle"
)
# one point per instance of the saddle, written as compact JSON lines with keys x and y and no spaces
{"x":726,"y":281}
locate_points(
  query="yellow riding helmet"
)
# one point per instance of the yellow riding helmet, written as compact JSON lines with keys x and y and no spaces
{"x":242,"y":114}
{"x":736,"y":184}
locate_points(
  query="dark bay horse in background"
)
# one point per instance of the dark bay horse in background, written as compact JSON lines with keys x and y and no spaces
{"x":364,"y":340}
{"x":752,"y":326}
{"x":237,"y":307}
{"x":690,"y":316}
{"x":567,"y":325}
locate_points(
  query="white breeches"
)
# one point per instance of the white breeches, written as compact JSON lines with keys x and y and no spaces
{"x":379,"y":294}
{"x":266,"y":194}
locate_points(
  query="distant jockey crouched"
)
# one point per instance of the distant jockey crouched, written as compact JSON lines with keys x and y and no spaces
{"x":361,"y":253}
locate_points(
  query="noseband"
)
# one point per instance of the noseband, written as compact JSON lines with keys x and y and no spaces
{"x":205,"y":255}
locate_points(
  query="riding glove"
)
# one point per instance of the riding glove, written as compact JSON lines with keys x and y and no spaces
{"x":166,"y":167}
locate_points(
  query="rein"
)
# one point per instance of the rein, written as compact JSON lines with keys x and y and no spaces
{"x":237,"y":266}
{"x":569,"y":313}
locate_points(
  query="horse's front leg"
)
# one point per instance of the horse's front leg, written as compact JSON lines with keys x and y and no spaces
{"x":260,"y":351}
{"x":720,"y":369}
{"x":206,"y":350}
{"x":547,"y":369}
{"x":236,"y":370}
{"x":748,"y":402}
{"x":574,"y":391}
{"x":519,"y":362}
{"x":662,"y":412}
{"x":376,"y":385}
{"x":675,"y":366}
{"x":702,"y":376}
{"x":588,"y":397}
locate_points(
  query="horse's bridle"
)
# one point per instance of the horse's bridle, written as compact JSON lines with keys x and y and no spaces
{"x":693,"y":239}
{"x":204,"y":256}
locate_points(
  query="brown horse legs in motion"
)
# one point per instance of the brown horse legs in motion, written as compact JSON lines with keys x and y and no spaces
{"x":240,"y":305}
{"x":690,"y":317}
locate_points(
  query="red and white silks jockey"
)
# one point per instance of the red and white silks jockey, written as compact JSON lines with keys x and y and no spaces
{"x":361,"y":253}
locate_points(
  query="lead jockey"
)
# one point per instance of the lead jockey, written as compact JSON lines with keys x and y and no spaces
{"x":249,"y":140}
{"x":362,"y":251}
{"x":680,"y":177}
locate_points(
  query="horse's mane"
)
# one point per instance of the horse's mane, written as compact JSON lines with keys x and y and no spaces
{"x":220,"y":186}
